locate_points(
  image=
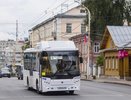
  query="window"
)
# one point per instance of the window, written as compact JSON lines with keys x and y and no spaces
{"x":82,"y":11}
{"x":96,"y":47}
{"x":34,"y":61}
{"x":27,"y":61}
{"x":68,"y":28}
{"x":83,"y":28}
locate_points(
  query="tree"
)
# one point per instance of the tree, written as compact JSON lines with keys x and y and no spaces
{"x":26,"y":45}
{"x":107,"y":12}
{"x":100,"y":60}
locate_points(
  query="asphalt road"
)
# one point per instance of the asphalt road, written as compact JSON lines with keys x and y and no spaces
{"x":13,"y":89}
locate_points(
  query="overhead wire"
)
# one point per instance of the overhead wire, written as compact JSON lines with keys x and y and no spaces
{"x":65,"y":8}
{"x":48,"y":12}
{"x":41,"y":15}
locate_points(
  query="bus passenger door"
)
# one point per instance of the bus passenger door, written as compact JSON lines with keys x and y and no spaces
{"x":40,"y":78}
{"x":31,"y":76}
{"x":31,"y":73}
{"x":39,"y":72}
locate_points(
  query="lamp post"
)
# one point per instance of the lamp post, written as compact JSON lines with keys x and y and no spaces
{"x":87,"y":28}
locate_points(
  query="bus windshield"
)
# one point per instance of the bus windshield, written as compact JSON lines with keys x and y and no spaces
{"x":60,"y":64}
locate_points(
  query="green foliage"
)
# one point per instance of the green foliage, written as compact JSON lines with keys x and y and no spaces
{"x":26,"y":45}
{"x":107,"y":12}
{"x":100,"y":60}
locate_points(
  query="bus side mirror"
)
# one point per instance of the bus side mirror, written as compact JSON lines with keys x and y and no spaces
{"x":81,"y":59}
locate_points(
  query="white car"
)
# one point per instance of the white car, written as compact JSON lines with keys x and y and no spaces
{"x":5,"y":72}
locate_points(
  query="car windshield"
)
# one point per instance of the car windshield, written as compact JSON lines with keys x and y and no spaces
{"x":61,"y":63}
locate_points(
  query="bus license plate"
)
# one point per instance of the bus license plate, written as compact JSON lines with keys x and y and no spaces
{"x":61,"y":87}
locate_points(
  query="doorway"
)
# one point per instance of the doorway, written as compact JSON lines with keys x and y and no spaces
{"x":130,"y":66}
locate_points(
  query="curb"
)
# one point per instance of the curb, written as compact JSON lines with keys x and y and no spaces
{"x":86,"y":80}
{"x":117,"y":83}
{"x":112,"y":82}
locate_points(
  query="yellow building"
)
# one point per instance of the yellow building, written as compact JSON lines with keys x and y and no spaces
{"x":116,"y":47}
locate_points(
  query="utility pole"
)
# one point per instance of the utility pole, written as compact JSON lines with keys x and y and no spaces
{"x":16,"y":31}
{"x":14,"y":49}
{"x":89,"y":40}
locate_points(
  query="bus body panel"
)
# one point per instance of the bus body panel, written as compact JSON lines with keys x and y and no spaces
{"x":60,"y":85}
{"x":35,"y":78}
{"x":31,"y":79}
{"x":25,"y":76}
{"x":47,"y":83}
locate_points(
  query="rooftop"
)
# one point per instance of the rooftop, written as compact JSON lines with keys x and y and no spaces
{"x":121,"y":35}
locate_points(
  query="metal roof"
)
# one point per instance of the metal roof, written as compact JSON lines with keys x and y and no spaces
{"x":121,"y":35}
{"x":53,"y":46}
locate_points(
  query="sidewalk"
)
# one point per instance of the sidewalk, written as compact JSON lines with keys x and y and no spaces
{"x":109,"y":80}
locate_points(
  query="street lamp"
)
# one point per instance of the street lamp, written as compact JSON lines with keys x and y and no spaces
{"x":87,"y":28}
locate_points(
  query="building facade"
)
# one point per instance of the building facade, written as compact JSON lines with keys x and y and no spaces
{"x":81,"y":42}
{"x":116,"y":47}
{"x":14,"y":55}
{"x":60,"y":27}
{"x":11,"y":53}
{"x":3,"y":46}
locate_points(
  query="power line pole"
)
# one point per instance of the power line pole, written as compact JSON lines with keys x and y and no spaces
{"x":89,"y":39}
{"x":14,"y":49}
{"x":16,"y":31}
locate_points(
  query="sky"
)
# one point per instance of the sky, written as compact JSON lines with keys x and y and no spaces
{"x":28,"y":13}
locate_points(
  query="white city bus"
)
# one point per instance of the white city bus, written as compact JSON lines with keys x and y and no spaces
{"x":52,"y":66}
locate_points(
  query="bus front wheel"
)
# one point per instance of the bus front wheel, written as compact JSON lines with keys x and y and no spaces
{"x":37,"y":88}
{"x":28,"y":87}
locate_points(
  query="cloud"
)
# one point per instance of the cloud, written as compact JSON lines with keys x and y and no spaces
{"x":25,"y":11}
{"x":6,"y":36}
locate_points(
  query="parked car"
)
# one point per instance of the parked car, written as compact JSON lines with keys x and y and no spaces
{"x":5,"y":72}
{"x":0,"y":74}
